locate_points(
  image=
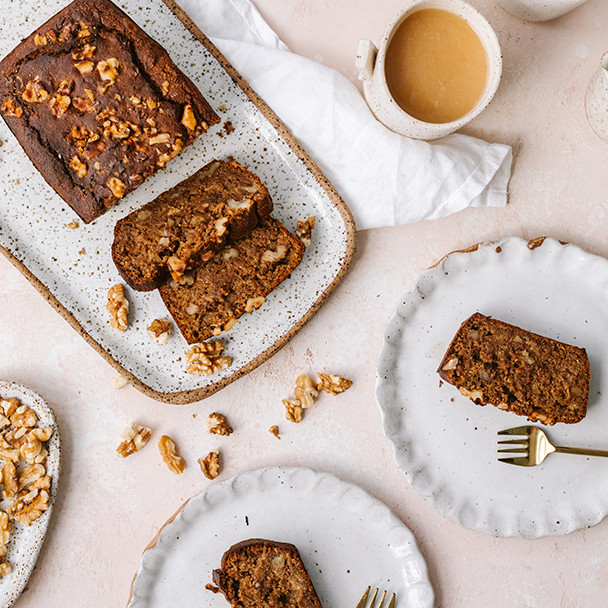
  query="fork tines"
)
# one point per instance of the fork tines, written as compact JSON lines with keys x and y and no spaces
{"x":363,"y":600}
{"x":524,"y":431}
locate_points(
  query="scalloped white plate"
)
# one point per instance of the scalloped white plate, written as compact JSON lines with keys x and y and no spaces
{"x":444,"y":443}
{"x":346,"y":538}
{"x":26,"y":541}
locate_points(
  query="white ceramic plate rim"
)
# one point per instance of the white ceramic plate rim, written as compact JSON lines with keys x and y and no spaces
{"x":350,"y":499}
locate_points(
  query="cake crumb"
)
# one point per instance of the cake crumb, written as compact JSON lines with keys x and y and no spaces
{"x":212,"y":588}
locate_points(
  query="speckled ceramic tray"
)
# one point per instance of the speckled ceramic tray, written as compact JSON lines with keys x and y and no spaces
{"x":347,"y":540}
{"x":26,"y":541}
{"x":444,"y":443}
{"x":73,"y":269}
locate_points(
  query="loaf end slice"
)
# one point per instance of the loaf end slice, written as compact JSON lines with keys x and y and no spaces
{"x":496,"y":363}
{"x":186,"y":225}
{"x":236,"y":280}
{"x":259,"y":572}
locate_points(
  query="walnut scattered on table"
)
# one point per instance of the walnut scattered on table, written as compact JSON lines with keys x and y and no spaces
{"x":135,"y":438}
{"x":293,"y":410}
{"x":168,"y":450}
{"x":332,"y":384}
{"x":210,"y":464}
{"x":274,"y":430}
{"x":305,"y":391}
{"x":218,"y":425}
{"x":118,"y":307}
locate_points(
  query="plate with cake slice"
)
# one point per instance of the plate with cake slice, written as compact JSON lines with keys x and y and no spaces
{"x":498,"y":336}
{"x":280,"y":536}
{"x":153,"y":198}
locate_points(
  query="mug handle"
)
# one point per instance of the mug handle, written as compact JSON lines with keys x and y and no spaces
{"x":366,"y":59}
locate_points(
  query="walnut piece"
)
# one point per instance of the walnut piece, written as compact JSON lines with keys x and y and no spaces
{"x":210,"y":465}
{"x":10,"y":108}
{"x":304,"y":230}
{"x":272,"y":257}
{"x":29,"y":505}
{"x":78,"y":167}
{"x":85,"y":52}
{"x":34,"y":92}
{"x":108,"y":70}
{"x":120,"y":382}
{"x":84,"y":67}
{"x":254,"y":303}
{"x":205,"y":358}
{"x":332,"y":384}
{"x":6,"y":527}
{"x":135,"y":438}
{"x":218,"y":425}
{"x":60,"y":104}
{"x":168,"y":450}
{"x":274,"y":430}
{"x":305,"y":391}
{"x":118,"y":307}
{"x":159,"y":330}
{"x":188,"y":118}
{"x":116,"y":186}
{"x":293,"y":410}
{"x":40,"y":40}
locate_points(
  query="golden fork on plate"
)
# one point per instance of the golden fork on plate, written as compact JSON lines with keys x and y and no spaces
{"x":535,"y":446}
{"x":363,"y":601}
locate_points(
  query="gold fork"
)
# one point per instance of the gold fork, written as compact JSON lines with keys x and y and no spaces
{"x":363,"y":600}
{"x":536,"y":446}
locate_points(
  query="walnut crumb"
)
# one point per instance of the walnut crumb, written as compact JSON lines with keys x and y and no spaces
{"x":304,"y":230}
{"x":135,"y":438}
{"x":118,"y":307}
{"x":274,"y":430}
{"x":188,"y":118}
{"x":159,"y":330}
{"x":330,"y":383}
{"x":210,"y":465}
{"x":120,"y":382}
{"x":73,"y":225}
{"x":293,"y":410}
{"x":168,"y":450}
{"x":218,"y":425}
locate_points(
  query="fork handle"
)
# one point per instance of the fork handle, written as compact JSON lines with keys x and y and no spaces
{"x":581,"y":451}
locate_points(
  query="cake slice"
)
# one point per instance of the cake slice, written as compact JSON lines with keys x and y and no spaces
{"x":492,"y":362}
{"x":260,"y":573}
{"x":98,"y":105}
{"x":186,"y":225}
{"x":236,"y":280}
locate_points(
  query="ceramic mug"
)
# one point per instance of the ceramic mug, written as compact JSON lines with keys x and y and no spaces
{"x":371,"y":62}
{"x":539,"y":10}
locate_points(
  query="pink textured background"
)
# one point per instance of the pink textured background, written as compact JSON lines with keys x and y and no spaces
{"x":108,"y":509}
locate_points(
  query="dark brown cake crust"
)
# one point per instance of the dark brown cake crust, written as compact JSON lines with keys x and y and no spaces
{"x":98,"y":105}
{"x":257,"y":572}
{"x":493,"y":362}
{"x":185,"y":226}
{"x":236,"y":280}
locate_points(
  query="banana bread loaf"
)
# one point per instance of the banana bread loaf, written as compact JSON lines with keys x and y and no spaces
{"x":492,"y":362}
{"x":236,"y":280}
{"x":186,"y":225}
{"x":260,"y":573}
{"x":98,"y":105}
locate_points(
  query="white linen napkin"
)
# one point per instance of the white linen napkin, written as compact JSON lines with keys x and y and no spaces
{"x":386,"y":179}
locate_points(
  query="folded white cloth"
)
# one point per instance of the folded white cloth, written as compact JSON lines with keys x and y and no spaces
{"x":386,"y":179}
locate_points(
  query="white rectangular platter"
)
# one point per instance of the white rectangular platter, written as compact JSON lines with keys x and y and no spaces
{"x":73,"y":268}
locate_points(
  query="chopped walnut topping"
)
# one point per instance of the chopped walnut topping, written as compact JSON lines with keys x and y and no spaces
{"x":272,"y":257}
{"x":293,"y":410}
{"x":135,"y":438}
{"x":108,"y":70}
{"x":305,"y":391}
{"x":330,"y":383}
{"x":218,"y":425}
{"x":120,"y":382}
{"x":159,"y":330}
{"x":210,"y":465}
{"x":188,"y":118}
{"x":10,"y":108}
{"x":86,"y":52}
{"x":116,"y":129}
{"x":274,"y":430}
{"x":40,"y":40}
{"x":83,"y":30}
{"x":34,"y":92}
{"x":205,"y":358}
{"x":254,"y":303}
{"x":60,"y":104}
{"x":161,"y":138}
{"x":177,"y":266}
{"x":168,"y":450}
{"x":30,"y":505}
{"x":304,"y":230}
{"x":78,"y":166}
{"x":118,"y":307}
{"x":116,"y":186}
{"x":84,"y":105}
{"x":164,"y":88}
{"x":84,"y":67}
